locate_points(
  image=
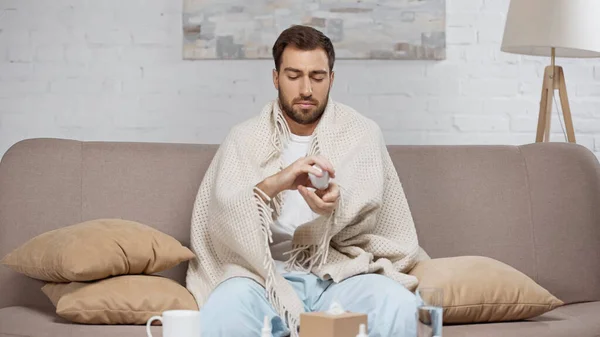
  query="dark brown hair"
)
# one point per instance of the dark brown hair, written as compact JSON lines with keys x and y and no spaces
{"x":303,"y":38}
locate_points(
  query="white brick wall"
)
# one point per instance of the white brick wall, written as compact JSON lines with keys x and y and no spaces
{"x":112,"y":70}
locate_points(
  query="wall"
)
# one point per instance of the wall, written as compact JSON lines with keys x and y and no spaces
{"x":112,"y":70}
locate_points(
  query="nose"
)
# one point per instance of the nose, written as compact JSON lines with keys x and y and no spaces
{"x":306,"y":89}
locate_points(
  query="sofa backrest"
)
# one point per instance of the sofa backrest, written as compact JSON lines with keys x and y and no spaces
{"x":534,"y":207}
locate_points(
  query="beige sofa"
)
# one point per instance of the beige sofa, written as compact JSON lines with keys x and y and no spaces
{"x":535,"y":207}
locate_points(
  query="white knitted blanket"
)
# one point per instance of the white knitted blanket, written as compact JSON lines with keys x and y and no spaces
{"x":371,"y":230}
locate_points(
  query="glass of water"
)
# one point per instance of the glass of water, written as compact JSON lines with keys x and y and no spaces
{"x":430,"y":312}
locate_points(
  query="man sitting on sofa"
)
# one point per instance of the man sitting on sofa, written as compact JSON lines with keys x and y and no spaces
{"x":270,"y":243}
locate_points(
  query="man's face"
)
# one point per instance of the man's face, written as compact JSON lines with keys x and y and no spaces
{"x":303,"y":83}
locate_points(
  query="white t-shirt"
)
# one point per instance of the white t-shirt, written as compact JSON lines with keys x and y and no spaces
{"x":295,"y":210}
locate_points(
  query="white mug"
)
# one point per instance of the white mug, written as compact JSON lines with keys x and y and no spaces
{"x":177,"y":323}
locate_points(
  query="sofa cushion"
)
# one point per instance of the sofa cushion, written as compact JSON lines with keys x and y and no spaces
{"x":97,"y":249}
{"x":571,"y":320}
{"x":26,"y":321}
{"x":579,"y":320}
{"x":479,"y":289}
{"x":127,"y":299}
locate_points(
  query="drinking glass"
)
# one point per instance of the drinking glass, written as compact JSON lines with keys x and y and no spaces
{"x":430,"y":312}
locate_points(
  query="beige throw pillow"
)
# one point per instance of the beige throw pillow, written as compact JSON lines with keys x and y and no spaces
{"x":480,"y":289}
{"x":97,"y":249}
{"x":127,"y":299}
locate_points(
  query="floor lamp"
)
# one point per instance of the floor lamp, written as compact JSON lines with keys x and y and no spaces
{"x":554,"y":28}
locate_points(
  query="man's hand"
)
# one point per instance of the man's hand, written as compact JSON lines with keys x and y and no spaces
{"x":295,"y":175}
{"x":321,"y":202}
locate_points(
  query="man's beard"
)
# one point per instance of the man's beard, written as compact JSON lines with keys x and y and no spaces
{"x":298,"y":115}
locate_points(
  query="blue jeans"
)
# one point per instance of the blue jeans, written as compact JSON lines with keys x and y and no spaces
{"x":237,"y":307}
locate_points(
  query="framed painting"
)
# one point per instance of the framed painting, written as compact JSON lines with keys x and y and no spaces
{"x":359,"y":29}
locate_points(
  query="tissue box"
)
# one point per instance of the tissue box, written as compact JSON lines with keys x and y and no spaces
{"x":322,"y":324}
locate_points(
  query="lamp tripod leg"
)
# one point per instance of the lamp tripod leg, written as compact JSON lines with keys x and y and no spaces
{"x":564,"y":102}
{"x":554,"y":78}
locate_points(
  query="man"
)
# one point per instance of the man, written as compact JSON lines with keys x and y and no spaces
{"x":269,"y":244}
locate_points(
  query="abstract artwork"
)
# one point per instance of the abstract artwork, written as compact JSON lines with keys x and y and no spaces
{"x":359,"y":29}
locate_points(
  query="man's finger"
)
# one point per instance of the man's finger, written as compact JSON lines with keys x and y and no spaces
{"x":305,"y":194}
{"x":331,"y":197}
{"x":323,"y":163}
{"x":331,"y":194}
{"x":313,"y":170}
{"x":314,"y":201}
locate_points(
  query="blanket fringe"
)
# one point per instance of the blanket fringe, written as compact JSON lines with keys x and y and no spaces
{"x":305,"y":257}
{"x":266,"y":218}
{"x":282,"y":134}
{"x":314,"y":147}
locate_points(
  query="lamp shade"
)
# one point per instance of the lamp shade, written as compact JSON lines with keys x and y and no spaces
{"x":533,"y":27}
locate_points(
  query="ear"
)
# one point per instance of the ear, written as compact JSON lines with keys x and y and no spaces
{"x":276,"y":79}
{"x":331,"y":78}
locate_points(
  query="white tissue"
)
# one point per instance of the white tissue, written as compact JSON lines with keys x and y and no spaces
{"x":335,"y":309}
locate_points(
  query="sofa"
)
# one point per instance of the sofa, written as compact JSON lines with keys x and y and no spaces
{"x":535,"y":207}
